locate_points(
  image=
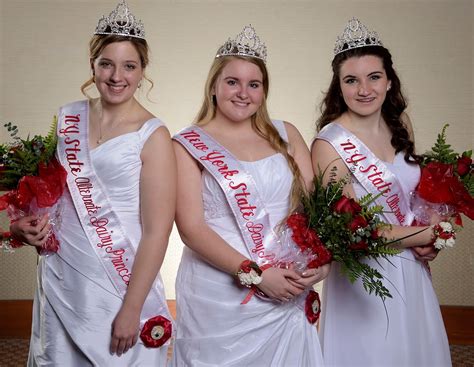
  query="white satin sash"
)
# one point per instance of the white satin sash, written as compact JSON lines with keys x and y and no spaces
{"x":370,"y":172}
{"x":98,"y":219}
{"x":239,"y":189}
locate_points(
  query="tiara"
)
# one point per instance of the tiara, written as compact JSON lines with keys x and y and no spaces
{"x":356,"y":35}
{"x":121,"y":22}
{"x":246,"y":43}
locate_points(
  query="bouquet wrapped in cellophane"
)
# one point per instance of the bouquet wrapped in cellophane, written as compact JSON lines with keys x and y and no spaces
{"x":446,"y":190}
{"x":34,"y":182}
{"x":333,"y":227}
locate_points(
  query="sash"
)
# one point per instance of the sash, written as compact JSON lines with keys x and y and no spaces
{"x":239,"y":189}
{"x":98,"y":219}
{"x":370,"y":172}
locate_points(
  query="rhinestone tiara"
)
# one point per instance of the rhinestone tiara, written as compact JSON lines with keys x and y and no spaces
{"x":246,"y":43}
{"x":121,"y":22}
{"x":356,"y":35}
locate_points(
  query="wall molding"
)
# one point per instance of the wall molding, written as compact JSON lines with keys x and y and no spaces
{"x":15,"y":321}
{"x":459,"y":323}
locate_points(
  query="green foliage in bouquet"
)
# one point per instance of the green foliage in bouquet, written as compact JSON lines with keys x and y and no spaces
{"x":21,"y":157}
{"x":443,"y":153}
{"x":336,"y":229}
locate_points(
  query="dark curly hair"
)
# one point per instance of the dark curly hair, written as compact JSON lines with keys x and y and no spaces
{"x":333,"y":105}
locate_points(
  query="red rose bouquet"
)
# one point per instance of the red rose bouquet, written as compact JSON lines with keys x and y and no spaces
{"x":34,"y":181}
{"x":333,"y":227}
{"x":446,"y":185}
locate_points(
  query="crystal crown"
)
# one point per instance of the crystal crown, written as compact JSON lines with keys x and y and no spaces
{"x":246,"y":43}
{"x":121,"y":22}
{"x":356,"y":35}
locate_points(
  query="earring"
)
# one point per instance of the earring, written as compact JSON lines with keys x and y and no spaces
{"x":389,"y":87}
{"x":139,"y":85}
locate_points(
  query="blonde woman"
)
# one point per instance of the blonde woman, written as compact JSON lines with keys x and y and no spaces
{"x":240,"y":174}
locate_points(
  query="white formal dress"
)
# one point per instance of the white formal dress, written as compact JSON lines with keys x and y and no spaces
{"x":357,"y":331}
{"x":75,"y":302}
{"x":214,"y":329}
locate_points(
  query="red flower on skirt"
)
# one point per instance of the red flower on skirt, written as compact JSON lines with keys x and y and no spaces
{"x":312,"y":307}
{"x":156,"y":332}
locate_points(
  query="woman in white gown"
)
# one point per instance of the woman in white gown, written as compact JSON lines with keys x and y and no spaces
{"x":236,"y":172}
{"x":116,"y":218}
{"x":363,"y":123}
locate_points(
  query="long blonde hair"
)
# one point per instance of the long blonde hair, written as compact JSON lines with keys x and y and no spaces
{"x":261,"y":122}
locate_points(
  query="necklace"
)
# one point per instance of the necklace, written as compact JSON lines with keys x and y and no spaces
{"x":101,"y":139}
{"x":113,"y":125}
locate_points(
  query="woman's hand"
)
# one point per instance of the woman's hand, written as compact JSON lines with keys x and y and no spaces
{"x":276,"y":284}
{"x":125,"y":329}
{"x":32,"y":230}
{"x":312,"y":276}
{"x":425,"y":253}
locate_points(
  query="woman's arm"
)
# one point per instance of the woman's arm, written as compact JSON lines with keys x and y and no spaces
{"x":300,"y":152}
{"x":157,"y":208}
{"x":422,"y":253}
{"x":198,"y":236}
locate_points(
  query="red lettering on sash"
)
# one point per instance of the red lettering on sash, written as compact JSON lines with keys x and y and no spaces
{"x":239,"y":190}
{"x":70,"y":133}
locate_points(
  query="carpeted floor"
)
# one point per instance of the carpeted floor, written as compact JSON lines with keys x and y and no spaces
{"x":14,"y":352}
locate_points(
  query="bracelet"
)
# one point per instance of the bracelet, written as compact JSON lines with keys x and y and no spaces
{"x":444,"y":235}
{"x":249,"y":273}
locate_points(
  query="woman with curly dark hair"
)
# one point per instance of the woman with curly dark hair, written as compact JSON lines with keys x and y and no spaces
{"x":365,"y":133}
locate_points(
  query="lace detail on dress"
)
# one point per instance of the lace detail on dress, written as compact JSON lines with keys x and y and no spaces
{"x":213,"y":210}
{"x":214,"y":202}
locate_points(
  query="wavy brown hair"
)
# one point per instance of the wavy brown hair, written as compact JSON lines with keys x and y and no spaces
{"x":97,"y":44}
{"x":333,"y":104}
{"x":261,"y":122}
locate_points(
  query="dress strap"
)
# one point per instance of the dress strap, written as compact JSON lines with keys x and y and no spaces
{"x":149,"y":128}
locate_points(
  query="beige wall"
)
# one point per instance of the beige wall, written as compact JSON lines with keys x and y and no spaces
{"x":44,"y":61}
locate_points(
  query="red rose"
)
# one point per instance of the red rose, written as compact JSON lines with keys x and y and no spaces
{"x":464,"y":165}
{"x":347,"y":205}
{"x":361,"y":245}
{"x":375,"y":234}
{"x":358,"y":222}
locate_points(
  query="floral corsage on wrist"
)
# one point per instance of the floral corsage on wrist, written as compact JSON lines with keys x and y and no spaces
{"x":444,"y":235}
{"x":249,"y":273}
